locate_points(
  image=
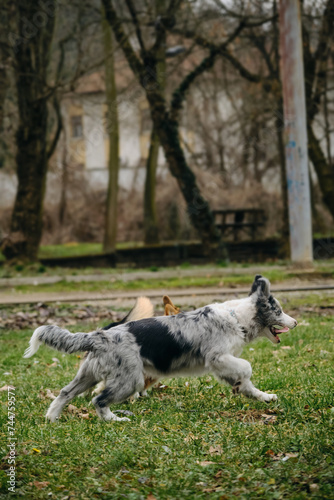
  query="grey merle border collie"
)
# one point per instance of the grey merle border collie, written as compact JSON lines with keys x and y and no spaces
{"x":207,"y":340}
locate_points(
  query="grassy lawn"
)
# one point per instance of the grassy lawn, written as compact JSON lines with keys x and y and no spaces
{"x":190,"y":439}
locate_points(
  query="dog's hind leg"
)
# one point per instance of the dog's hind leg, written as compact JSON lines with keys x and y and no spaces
{"x":116,"y":391}
{"x":79,"y":384}
{"x":237,"y":372}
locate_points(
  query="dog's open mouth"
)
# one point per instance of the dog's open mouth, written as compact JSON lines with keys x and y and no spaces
{"x":276,"y":329}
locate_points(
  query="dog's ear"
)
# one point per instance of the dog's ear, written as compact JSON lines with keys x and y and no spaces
{"x":166,"y":300}
{"x":170,"y":309}
{"x":260,"y":286}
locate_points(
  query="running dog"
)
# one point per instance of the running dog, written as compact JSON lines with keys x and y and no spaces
{"x":209,"y":339}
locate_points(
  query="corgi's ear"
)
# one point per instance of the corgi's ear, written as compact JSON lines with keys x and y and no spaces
{"x":166,"y":300}
{"x":260,"y":286}
{"x":170,"y":309}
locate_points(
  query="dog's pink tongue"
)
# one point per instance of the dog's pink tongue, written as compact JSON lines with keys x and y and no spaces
{"x":283,"y":330}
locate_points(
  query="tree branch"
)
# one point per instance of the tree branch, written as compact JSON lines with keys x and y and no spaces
{"x":59,"y":127}
{"x":133,"y":13}
{"x":180,"y":93}
{"x":207,"y":63}
{"x":112,"y":18}
{"x":224,"y":52}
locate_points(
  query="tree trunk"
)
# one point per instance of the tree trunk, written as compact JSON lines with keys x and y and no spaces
{"x":198,"y":208}
{"x":279,"y":124}
{"x":32,"y":58}
{"x":151,"y":231}
{"x":110,"y":235}
{"x":31,"y":159}
{"x":325,"y":172}
{"x":5,"y":13}
{"x":64,"y":184}
{"x":3,"y":90}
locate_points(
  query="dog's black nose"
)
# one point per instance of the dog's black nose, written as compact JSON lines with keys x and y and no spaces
{"x":296,"y":322}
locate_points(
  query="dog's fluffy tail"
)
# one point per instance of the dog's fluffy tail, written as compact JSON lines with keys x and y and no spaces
{"x":59,"y":339}
{"x":143,"y":308}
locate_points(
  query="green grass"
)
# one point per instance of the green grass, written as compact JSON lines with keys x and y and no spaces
{"x":70,"y":250}
{"x":78,"y":249}
{"x":75,"y":249}
{"x":165,"y":448}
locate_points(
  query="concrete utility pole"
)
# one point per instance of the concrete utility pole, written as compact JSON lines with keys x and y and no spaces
{"x":292,"y":73}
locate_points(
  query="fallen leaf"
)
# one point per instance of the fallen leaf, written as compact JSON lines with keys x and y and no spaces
{"x":271,"y":481}
{"x":287,"y":347}
{"x":36,"y":450}
{"x":217,"y":487}
{"x":84,"y":415}
{"x":50,"y":394}
{"x":4,"y":388}
{"x":41,"y":484}
{"x":215,"y":450}
{"x":150,"y":497}
{"x":269,"y":419}
{"x":204,"y":463}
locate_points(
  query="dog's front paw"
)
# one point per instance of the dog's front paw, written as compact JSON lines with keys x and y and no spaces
{"x":267,"y":397}
{"x":50,"y":417}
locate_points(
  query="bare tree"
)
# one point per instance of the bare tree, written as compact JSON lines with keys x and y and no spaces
{"x":109,"y":243}
{"x":166,"y":121}
{"x":34,"y":24}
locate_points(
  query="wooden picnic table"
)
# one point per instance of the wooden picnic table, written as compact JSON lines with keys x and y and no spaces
{"x":234,"y":221}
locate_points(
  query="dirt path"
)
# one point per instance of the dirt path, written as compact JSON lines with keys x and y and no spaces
{"x":127,"y":276}
{"x":119,"y":275}
{"x":197,"y":295}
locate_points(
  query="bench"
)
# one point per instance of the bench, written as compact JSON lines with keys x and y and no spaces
{"x":235,"y":221}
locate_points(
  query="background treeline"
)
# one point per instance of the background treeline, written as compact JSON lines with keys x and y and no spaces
{"x":209,"y":74}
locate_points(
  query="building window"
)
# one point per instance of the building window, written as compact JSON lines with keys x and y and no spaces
{"x":76,"y":126}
